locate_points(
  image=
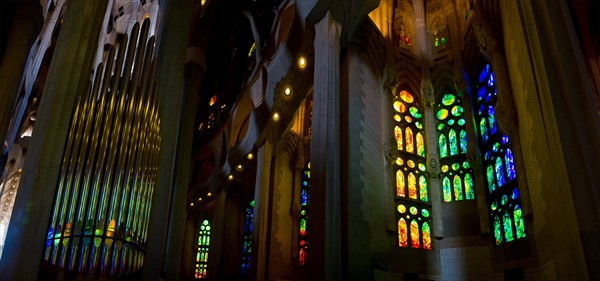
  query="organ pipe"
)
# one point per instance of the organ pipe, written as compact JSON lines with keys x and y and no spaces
{"x":108,"y":172}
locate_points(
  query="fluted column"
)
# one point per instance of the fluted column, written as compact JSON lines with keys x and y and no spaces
{"x":167,"y":217}
{"x":67,"y":77}
{"x":25,"y":28}
{"x":325,"y":148}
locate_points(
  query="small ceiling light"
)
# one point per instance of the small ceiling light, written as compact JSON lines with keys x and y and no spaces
{"x":200,"y":199}
{"x":287,"y":91}
{"x":209,"y":194}
{"x":302,"y":62}
{"x":249,"y":156}
{"x":230,"y":177}
{"x":239,"y":167}
{"x":275,"y":116}
{"x":191,"y":204}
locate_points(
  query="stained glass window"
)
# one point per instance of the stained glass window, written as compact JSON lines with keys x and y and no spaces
{"x":457,"y":176}
{"x":247,"y":238}
{"x":202,"y":254}
{"x":418,"y":233}
{"x":304,"y":202}
{"x":498,"y":161}
{"x":410,"y":173}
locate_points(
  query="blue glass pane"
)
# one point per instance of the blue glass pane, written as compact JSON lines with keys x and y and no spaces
{"x":484,"y":72}
{"x":304,"y":197}
{"x":510,"y":164}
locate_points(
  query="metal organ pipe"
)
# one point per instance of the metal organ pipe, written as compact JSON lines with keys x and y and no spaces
{"x":108,"y":173}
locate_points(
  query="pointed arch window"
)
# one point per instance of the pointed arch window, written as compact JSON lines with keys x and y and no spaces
{"x":498,"y":161}
{"x":202,"y":254}
{"x":411,"y":193}
{"x":247,"y":238}
{"x":456,"y":175}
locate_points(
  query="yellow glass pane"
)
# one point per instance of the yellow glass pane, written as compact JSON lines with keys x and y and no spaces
{"x":420,"y":145}
{"x":412,"y":186}
{"x":400,"y":185}
{"x":399,"y":107}
{"x":402,"y":233}
{"x":398,"y":136}
{"x":409,"y":141}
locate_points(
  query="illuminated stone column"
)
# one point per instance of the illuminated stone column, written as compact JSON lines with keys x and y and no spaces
{"x":68,"y":75}
{"x":325,"y":151}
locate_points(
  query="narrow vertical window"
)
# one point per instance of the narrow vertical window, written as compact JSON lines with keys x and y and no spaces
{"x":304,"y":202}
{"x":457,"y":176}
{"x":247,"y":238}
{"x":411,"y":187}
{"x":202,"y":254}
{"x":501,"y":178}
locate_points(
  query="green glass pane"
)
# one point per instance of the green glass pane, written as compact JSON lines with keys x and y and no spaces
{"x":426,"y":236}
{"x":442,"y":114}
{"x":463,"y":141}
{"x":490,"y":179}
{"x":494,"y":206}
{"x":457,"y":188}
{"x":425,"y":213}
{"x":504,"y":199}
{"x":455,"y":166}
{"x":440,"y":127}
{"x":457,"y":110}
{"x":461,"y":122}
{"x":443,"y":146}
{"x":483,"y":129}
{"x":450,"y":122}
{"x":447,"y":190}
{"x":508,"y":233}
{"x":436,"y":43}
{"x":414,"y":112}
{"x":495,"y":147}
{"x":497,"y":231}
{"x":469,"y":192}
{"x":519,"y":224}
{"x":422,"y":167}
{"x":419,"y":125}
{"x":453,"y":142}
{"x":448,"y":99}
{"x":499,"y":172}
{"x":423,"y":189}
{"x":465,"y":165}
{"x":413,"y":210}
{"x":444,"y":40}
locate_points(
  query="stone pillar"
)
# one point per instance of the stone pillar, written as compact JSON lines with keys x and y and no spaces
{"x":25,"y":28}
{"x":262,"y":193}
{"x":325,"y":151}
{"x":433,"y":159}
{"x":167,"y":215}
{"x":68,"y":76}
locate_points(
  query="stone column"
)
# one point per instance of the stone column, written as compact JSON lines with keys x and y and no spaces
{"x":325,"y":151}
{"x":25,"y":28}
{"x":167,"y":215}
{"x":262,"y":193}
{"x":68,"y":77}
{"x":433,"y":159}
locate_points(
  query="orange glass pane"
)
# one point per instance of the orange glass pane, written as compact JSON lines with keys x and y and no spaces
{"x":398,"y":136}
{"x":412,"y":186}
{"x":400,"y":189}
{"x":402,"y":233}
{"x":406,"y":96}
{"x":414,"y":234}
{"x":410,"y":147}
